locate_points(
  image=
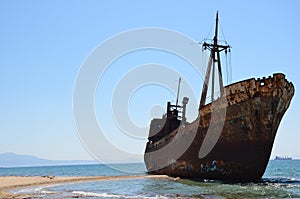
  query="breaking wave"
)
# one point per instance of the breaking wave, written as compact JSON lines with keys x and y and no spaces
{"x":107,"y":195}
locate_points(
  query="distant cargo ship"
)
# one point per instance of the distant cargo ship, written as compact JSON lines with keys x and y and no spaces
{"x":282,"y":158}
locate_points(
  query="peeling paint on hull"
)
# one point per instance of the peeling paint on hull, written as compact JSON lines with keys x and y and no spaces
{"x":253,"y":110}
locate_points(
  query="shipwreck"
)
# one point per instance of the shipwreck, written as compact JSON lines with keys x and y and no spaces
{"x":233,"y":135}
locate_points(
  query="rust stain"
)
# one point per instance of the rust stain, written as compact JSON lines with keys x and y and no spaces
{"x":254,"y":109}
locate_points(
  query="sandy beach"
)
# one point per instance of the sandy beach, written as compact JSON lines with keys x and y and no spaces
{"x":8,"y":183}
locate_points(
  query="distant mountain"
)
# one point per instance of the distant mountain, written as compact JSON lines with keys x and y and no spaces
{"x":16,"y":160}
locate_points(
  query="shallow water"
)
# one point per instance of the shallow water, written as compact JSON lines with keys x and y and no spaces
{"x":281,"y":180}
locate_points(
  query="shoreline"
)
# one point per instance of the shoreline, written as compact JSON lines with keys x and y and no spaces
{"x":8,"y":183}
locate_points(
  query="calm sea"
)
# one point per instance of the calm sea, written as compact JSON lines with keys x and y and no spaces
{"x":281,"y":180}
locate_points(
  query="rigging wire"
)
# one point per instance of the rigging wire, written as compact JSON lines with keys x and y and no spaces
{"x":222,"y":33}
{"x":209,"y":33}
{"x":230,"y":66}
{"x":203,"y":61}
{"x":226,"y":60}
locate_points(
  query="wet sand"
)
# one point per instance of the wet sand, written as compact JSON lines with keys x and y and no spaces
{"x":8,"y":183}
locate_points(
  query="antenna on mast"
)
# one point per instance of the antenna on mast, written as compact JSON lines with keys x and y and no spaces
{"x":179,"y":81}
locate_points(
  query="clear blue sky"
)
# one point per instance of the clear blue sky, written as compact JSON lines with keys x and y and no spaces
{"x":43,"y":44}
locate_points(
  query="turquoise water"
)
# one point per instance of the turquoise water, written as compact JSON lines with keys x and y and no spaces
{"x":281,"y":180}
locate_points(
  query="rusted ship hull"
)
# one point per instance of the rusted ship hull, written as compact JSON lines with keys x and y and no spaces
{"x":252,"y":111}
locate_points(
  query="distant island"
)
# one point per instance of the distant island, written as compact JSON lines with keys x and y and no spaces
{"x":282,"y":158}
{"x":17,"y":160}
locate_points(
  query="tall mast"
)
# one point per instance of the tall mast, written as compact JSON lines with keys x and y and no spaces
{"x":214,"y":59}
